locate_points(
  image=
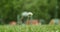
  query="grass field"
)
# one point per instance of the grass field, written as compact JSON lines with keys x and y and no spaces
{"x":29,"y":28}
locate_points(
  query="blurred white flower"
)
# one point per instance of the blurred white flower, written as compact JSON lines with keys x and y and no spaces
{"x":30,"y":13}
{"x":25,"y":14}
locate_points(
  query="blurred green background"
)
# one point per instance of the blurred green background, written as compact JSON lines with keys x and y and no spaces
{"x":42,"y":9}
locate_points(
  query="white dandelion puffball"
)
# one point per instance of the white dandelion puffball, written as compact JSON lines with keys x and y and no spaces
{"x":30,"y":13}
{"x":24,"y":14}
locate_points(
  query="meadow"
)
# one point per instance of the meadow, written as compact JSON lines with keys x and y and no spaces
{"x":29,"y":28}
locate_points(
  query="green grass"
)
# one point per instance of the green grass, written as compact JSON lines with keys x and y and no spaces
{"x":29,"y":28}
